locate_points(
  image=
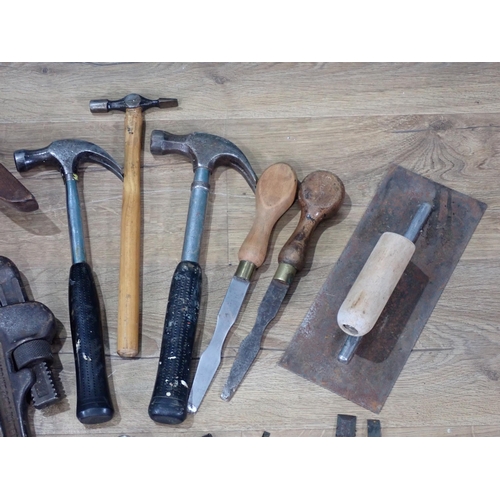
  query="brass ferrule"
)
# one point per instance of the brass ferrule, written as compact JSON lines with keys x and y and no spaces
{"x":245,"y":270}
{"x":285,"y":273}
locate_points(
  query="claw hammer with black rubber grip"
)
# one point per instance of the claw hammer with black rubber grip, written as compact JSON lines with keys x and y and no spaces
{"x":93,"y":404}
{"x":171,"y":391}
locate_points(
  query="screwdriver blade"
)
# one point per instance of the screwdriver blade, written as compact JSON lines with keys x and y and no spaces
{"x":211,"y":357}
{"x":250,"y":346}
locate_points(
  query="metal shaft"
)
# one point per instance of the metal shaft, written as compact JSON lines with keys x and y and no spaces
{"x":418,"y":221}
{"x":349,"y":348}
{"x":196,"y":215}
{"x":75,"y":226}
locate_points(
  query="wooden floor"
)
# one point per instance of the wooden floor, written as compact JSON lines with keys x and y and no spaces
{"x":439,"y":120}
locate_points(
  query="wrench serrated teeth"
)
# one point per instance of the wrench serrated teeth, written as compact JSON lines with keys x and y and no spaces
{"x":43,"y":391}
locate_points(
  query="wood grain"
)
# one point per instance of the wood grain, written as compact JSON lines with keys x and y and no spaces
{"x":130,"y":238}
{"x":321,"y":194}
{"x":275,"y":193}
{"x":353,"y":119}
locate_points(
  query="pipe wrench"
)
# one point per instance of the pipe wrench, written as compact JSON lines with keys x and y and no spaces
{"x":27,"y":329}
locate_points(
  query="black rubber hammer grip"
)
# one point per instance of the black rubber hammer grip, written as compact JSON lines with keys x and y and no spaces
{"x":171,"y":391}
{"x":93,"y":398}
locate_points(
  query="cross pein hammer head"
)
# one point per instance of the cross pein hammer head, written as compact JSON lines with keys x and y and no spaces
{"x":129,"y":102}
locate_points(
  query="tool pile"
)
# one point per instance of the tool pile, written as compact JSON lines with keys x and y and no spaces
{"x":354,"y":340}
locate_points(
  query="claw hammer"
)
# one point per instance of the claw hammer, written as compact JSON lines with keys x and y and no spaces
{"x":93,"y":400}
{"x":134,"y":106}
{"x":171,"y":390}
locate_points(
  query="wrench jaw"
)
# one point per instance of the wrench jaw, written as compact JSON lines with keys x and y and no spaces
{"x":27,"y":330}
{"x":14,"y":387}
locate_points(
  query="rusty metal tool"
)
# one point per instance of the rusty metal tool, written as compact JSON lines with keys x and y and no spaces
{"x":369,"y":377}
{"x":14,"y":193}
{"x":377,"y":280}
{"x":346,"y":426}
{"x":134,"y":106}
{"x":171,"y":390}
{"x":93,"y":398}
{"x":276,"y":191}
{"x":321,"y":194}
{"x":373,"y":428}
{"x":27,"y":330}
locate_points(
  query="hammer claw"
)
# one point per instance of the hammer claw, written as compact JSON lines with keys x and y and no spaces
{"x":205,"y":151}
{"x":66,"y":154}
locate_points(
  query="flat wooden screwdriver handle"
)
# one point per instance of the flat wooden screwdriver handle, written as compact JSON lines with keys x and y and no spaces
{"x":128,"y":295}
{"x":321,"y":194}
{"x":275,"y":193}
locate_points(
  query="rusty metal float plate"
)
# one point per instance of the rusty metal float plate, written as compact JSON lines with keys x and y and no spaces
{"x":370,"y":376}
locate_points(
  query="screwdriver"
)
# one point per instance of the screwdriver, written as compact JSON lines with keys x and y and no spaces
{"x":275,"y":193}
{"x":321,"y":194}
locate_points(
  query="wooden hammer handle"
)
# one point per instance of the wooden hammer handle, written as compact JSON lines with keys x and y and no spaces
{"x":128,"y":296}
{"x":275,"y":193}
{"x":321,"y":194}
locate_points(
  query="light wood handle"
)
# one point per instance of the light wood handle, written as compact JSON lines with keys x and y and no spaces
{"x":128,"y":296}
{"x":275,"y":193}
{"x":321,"y":194}
{"x":375,"y":283}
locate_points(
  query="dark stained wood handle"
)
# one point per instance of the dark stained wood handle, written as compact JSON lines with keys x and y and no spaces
{"x":321,"y":194}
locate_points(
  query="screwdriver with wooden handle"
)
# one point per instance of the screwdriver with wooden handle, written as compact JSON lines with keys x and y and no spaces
{"x":275,"y":193}
{"x":321,"y":194}
{"x":375,"y":283}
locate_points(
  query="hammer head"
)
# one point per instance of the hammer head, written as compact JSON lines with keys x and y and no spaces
{"x":66,"y":155}
{"x":204,"y":151}
{"x":130,"y":101}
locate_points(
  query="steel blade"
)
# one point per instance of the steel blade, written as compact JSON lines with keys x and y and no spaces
{"x":374,"y":428}
{"x":346,"y":426}
{"x":14,"y":193}
{"x":250,"y":346}
{"x":211,"y":357}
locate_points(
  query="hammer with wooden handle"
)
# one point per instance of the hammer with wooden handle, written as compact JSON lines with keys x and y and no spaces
{"x":129,"y":289}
